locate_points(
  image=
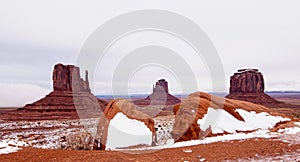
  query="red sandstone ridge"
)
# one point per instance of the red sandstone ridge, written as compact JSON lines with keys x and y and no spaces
{"x":195,"y":107}
{"x":71,"y":96}
{"x":125,"y":107}
{"x":160,"y":95}
{"x":248,"y":85}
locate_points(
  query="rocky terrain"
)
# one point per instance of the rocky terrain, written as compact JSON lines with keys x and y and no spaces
{"x":282,"y":145}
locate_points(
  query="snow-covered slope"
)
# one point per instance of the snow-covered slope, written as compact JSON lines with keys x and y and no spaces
{"x":228,"y":123}
{"x":124,"y":132}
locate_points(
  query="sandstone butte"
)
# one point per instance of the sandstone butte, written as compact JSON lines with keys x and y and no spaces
{"x":160,"y":102}
{"x":248,"y":85}
{"x":71,"y":98}
{"x":159,"y":96}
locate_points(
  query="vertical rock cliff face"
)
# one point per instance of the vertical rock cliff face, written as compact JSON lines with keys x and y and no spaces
{"x":247,"y":81}
{"x":248,"y":85}
{"x":161,"y":86}
{"x":67,"y":78}
{"x":160,"y":102}
{"x":160,"y":95}
{"x":70,"y":94}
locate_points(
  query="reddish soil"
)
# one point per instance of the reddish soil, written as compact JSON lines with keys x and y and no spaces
{"x":232,"y":150}
{"x":293,"y":99}
{"x":21,"y":115}
{"x":288,"y":98}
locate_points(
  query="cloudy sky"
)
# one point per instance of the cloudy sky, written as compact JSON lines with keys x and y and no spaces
{"x":35,"y":35}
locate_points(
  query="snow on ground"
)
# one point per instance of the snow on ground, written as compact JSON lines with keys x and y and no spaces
{"x":50,"y":134}
{"x":294,"y":139}
{"x":293,"y":130}
{"x":124,"y":132}
{"x":8,"y":146}
{"x":221,"y":121}
{"x":257,"y":122}
{"x":227,"y":137}
{"x":43,"y":123}
{"x":163,"y":126}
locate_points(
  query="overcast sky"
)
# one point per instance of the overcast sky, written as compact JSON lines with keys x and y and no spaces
{"x":35,"y":35}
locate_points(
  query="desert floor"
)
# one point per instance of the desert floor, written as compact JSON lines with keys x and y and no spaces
{"x":245,"y":150}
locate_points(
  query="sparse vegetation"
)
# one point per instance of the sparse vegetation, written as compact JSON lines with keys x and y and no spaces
{"x":81,"y":141}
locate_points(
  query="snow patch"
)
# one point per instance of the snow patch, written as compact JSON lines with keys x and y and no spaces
{"x":124,"y":132}
{"x":293,"y":130}
{"x":221,"y":121}
{"x":228,"y":137}
{"x":48,"y":134}
{"x":163,"y":126}
{"x":9,"y":146}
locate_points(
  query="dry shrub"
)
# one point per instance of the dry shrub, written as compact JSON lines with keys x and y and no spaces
{"x":79,"y":141}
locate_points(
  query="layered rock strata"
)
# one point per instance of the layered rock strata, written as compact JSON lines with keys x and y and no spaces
{"x":248,"y":85}
{"x":71,"y":94}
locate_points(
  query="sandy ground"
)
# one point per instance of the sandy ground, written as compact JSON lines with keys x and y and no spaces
{"x":290,"y":99}
{"x":245,"y":150}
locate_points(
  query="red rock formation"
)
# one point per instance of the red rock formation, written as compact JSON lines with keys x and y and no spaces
{"x":71,"y":94}
{"x":248,"y":85}
{"x":247,"y":81}
{"x":128,"y":109}
{"x":160,"y":96}
{"x":196,"y":105}
{"x":67,"y":78}
{"x":160,"y":102}
{"x":161,"y":86}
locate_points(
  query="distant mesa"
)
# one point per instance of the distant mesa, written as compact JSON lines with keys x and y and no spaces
{"x":161,"y":86}
{"x":159,"y":96}
{"x":71,"y":95}
{"x":248,"y":85}
{"x":247,"y":81}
